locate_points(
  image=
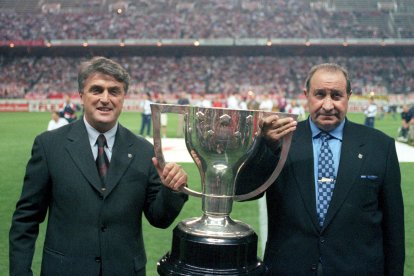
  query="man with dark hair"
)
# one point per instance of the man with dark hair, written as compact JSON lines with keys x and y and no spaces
{"x":336,"y":207}
{"x":94,"y":207}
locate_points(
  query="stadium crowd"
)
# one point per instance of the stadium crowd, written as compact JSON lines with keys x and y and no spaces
{"x":44,"y":76}
{"x":176,"y":19}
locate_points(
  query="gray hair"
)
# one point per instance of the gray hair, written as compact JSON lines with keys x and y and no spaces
{"x":105,"y":66}
{"x":331,"y":67}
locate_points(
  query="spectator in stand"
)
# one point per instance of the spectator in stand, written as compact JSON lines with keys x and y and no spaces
{"x":56,"y":121}
{"x":145,"y":107}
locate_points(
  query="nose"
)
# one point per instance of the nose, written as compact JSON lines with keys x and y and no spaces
{"x":327,"y":103}
{"x":104,"y":96}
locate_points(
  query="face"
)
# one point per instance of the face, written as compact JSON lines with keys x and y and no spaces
{"x":327,"y":99}
{"x":102,"y":99}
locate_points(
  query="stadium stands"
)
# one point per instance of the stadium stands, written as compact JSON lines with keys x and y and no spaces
{"x":58,"y":19}
{"x":48,"y":75}
{"x":40,"y":22}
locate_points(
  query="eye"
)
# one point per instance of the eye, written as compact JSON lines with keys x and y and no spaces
{"x":319,"y":93}
{"x":337,"y":95}
{"x":115,"y":91}
{"x":95,"y":90}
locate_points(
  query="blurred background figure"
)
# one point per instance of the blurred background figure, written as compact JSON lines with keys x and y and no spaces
{"x":407,"y":117}
{"x":297,"y":109}
{"x":164,"y":117}
{"x":56,"y":121}
{"x":146,"y":115}
{"x":68,"y":109}
{"x":233,"y":100}
{"x":182,"y":100}
{"x":203,"y":101}
{"x":252,"y":103}
{"x":370,"y":112}
{"x":266,"y":104}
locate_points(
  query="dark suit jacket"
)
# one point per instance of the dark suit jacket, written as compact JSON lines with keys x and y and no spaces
{"x":87,"y":229}
{"x":363,"y":233}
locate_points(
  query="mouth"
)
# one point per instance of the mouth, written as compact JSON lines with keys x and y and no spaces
{"x":327,"y":116}
{"x":104,"y":109}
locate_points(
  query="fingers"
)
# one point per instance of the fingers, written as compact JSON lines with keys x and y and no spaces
{"x":274,"y":129}
{"x":173,"y":176}
{"x":277,"y":127}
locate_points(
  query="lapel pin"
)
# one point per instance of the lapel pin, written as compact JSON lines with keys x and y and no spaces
{"x":360,"y":156}
{"x":129,"y":155}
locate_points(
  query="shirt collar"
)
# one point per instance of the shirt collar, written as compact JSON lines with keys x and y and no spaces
{"x":336,"y":133}
{"x":93,"y":135}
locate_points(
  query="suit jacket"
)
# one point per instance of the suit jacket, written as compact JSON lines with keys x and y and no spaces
{"x":87,"y":230}
{"x":363,"y":232}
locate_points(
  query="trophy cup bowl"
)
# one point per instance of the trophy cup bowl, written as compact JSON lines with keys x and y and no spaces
{"x":220,"y":141}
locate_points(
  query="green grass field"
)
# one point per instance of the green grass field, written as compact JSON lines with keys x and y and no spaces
{"x":18,"y":131}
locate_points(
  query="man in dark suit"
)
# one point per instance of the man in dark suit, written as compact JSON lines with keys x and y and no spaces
{"x":349,"y":221}
{"x":94,"y":218}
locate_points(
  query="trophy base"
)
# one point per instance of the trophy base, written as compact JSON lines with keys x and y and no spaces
{"x":198,"y":255}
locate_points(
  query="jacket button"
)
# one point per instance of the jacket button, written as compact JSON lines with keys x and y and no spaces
{"x":98,"y":259}
{"x":314,"y":267}
{"x":103,"y":228}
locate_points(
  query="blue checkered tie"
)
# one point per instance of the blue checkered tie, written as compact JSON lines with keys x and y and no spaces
{"x":326,"y":177}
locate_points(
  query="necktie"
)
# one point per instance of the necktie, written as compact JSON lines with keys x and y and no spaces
{"x":102,"y":162}
{"x":326,"y":177}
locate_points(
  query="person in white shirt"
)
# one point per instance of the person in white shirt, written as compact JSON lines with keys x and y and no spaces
{"x":56,"y":121}
{"x":146,"y":115}
{"x":267,"y":103}
{"x":233,"y":101}
{"x":203,"y":102}
{"x":370,"y":113}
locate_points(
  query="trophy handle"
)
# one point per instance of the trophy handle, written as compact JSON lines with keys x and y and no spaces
{"x":286,"y":141}
{"x":156,"y":110}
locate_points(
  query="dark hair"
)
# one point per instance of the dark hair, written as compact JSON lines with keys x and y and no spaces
{"x":331,"y":67}
{"x":105,"y":66}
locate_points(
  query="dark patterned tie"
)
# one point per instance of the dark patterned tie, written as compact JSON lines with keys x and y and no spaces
{"x":326,"y":177}
{"x":102,"y":162}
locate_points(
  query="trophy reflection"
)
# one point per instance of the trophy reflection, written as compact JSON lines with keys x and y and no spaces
{"x":220,"y":142}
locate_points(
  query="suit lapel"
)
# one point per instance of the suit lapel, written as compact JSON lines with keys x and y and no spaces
{"x":80,"y":151}
{"x":120,"y":160}
{"x":301,"y":153}
{"x":353,"y":153}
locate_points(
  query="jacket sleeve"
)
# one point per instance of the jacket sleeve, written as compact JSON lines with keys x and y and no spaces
{"x":393,"y":220}
{"x":30,"y":211}
{"x":162,"y":205}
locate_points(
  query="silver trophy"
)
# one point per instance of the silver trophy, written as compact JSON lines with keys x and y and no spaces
{"x":220,"y":141}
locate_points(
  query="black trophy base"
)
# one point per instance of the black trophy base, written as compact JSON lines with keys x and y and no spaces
{"x":193,"y":255}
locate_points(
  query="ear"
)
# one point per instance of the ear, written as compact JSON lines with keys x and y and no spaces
{"x":81,"y":97}
{"x":305,"y":92}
